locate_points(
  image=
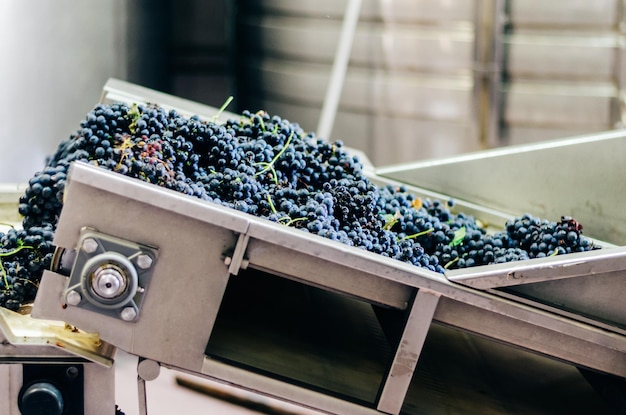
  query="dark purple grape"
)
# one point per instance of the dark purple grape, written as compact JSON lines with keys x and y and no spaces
{"x":268,"y":167}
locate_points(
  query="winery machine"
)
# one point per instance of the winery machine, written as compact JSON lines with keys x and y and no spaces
{"x":49,"y":367}
{"x":223,"y":295}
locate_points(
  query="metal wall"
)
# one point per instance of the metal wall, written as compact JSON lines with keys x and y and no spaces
{"x":564,"y":68}
{"x":408,"y":89}
{"x":433,"y":78}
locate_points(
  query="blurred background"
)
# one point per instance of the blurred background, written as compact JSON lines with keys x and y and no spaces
{"x":426,"y":78}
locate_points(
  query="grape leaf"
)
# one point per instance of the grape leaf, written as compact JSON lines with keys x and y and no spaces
{"x":459,"y":235}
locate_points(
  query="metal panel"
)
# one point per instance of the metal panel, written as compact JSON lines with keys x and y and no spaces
{"x":285,"y":391}
{"x":531,"y":134}
{"x":396,"y":11}
{"x":586,"y":284}
{"x":269,"y":256}
{"x":563,"y":104}
{"x":99,"y":389}
{"x":422,"y":96}
{"x":611,"y":261}
{"x":133,"y":223}
{"x":375,"y":44}
{"x":24,"y":338}
{"x":597,"y":13}
{"x":411,"y":66}
{"x":579,"y":176}
{"x":562,"y":68}
{"x":10,"y":389}
{"x":562,"y":56}
{"x":528,"y":334}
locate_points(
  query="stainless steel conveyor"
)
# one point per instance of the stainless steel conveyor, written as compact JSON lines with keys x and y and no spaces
{"x":194,"y":266}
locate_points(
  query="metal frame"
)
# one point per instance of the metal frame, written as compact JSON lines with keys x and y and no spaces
{"x":198,"y":237}
{"x":206,"y":245}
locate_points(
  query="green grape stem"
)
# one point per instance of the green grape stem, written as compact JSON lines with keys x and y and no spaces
{"x":269,"y":199}
{"x":270,"y":165}
{"x":3,"y":271}
{"x":271,"y":168}
{"x":390,"y":224}
{"x":292,"y":221}
{"x":450,"y":263}
{"x":416,"y":235}
{"x":260,"y":115}
{"x":222,"y":109}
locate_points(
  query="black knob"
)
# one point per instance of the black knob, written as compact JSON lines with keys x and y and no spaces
{"x":41,"y":398}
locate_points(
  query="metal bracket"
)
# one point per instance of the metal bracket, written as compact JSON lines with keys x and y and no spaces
{"x":408,"y":352}
{"x":109,"y":275}
{"x":237,"y":261}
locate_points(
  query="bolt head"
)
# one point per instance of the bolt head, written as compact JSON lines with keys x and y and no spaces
{"x":90,"y":245}
{"x":73,"y":297}
{"x":128,"y":313}
{"x":144,"y":261}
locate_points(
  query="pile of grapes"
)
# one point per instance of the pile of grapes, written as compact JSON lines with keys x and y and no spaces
{"x":265,"y":166}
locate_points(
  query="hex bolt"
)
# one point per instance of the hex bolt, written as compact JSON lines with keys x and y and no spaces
{"x":73,"y":297}
{"x":128,"y":313}
{"x":90,"y":245}
{"x":144,"y":261}
{"x":72,"y":372}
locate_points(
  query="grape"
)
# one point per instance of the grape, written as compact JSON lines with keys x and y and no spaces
{"x":268,"y":167}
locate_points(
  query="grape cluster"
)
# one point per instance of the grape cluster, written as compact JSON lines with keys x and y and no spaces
{"x":459,"y":241}
{"x":24,"y":255}
{"x":268,"y":167}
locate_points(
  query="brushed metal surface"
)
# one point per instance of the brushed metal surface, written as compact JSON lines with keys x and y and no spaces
{"x":376,"y":44}
{"x":366,"y":90}
{"x":576,"y":176}
{"x":603,"y":13}
{"x":544,"y":103}
{"x":398,"y":10}
{"x":553,"y":55}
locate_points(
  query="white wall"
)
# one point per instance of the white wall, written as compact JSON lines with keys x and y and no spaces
{"x":55,"y":56}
